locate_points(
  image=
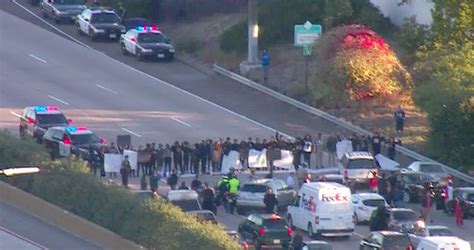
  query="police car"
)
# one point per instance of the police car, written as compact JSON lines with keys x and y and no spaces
{"x":35,"y":120}
{"x":62,"y":10}
{"x":147,"y":42}
{"x":77,"y":140}
{"x":99,"y":22}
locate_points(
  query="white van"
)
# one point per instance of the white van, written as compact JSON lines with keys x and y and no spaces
{"x":323,"y":208}
{"x":443,"y":243}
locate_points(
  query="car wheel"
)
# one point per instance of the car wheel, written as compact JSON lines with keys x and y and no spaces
{"x":43,"y":13}
{"x":22,"y":133}
{"x":356,"y":219}
{"x":78,"y":29}
{"x":55,"y":18}
{"x":257,"y":244}
{"x":406,"y":197}
{"x":290,"y":221}
{"x":124,"y":50}
{"x":139,"y":55}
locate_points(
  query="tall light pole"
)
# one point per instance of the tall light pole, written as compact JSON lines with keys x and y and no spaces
{"x":252,"y":61}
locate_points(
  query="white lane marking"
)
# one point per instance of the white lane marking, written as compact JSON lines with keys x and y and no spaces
{"x":131,"y":132}
{"x":106,"y":89}
{"x":358,"y":234}
{"x":181,"y":122}
{"x":59,"y":100}
{"x":31,"y":242}
{"x":52,"y":26}
{"x":37,"y":58}
{"x":15,"y":114}
{"x":154,"y":78}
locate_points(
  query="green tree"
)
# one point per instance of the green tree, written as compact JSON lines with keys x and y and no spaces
{"x":445,"y":90}
{"x":337,"y":12}
{"x":453,"y":21}
{"x":412,"y":35}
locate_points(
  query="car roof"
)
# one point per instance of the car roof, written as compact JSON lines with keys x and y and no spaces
{"x":359,"y":155}
{"x":268,"y":216}
{"x":45,"y":109}
{"x":436,"y":227}
{"x":469,"y":189}
{"x":368,"y":196}
{"x":74,"y":130}
{"x":446,"y":240}
{"x":401,"y":210}
{"x":182,"y":195}
{"x":147,"y":31}
{"x":260,"y":181}
{"x":389,"y":233}
{"x":318,"y":185}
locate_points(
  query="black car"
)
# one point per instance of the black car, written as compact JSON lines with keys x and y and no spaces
{"x":266,"y":229}
{"x":62,"y":10}
{"x":386,"y":240}
{"x":99,"y":22}
{"x":132,"y":23}
{"x":71,"y":140}
{"x":414,"y":184}
{"x":35,"y":120}
{"x":466,"y":198}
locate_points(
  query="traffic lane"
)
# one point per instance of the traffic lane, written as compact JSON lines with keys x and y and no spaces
{"x":39,"y":231}
{"x":220,"y":90}
{"x":67,"y":81}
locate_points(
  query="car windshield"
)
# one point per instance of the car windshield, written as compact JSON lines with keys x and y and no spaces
{"x":396,"y":242}
{"x":374,"y":202}
{"x":151,"y":38}
{"x":83,"y":139}
{"x":51,"y":119}
{"x":470,"y":197}
{"x":104,"y":18}
{"x":187,"y":205}
{"x":441,"y":232}
{"x":404,"y":215}
{"x":360,"y":163}
{"x":254,"y":188}
{"x":274,"y":224}
{"x":70,"y":2}
{"x":428,"y":168}
{"x":418,"y":178}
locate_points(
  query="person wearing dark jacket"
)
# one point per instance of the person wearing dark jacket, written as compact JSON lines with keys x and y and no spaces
{"x":270,"y":201}
{"x":379,"y":219}
{"x":183,"y":186}
{"x":376,"y":143}
{"x":186,"y":156}
{"x":209,"y":198}
{"x":298,"y":240}
{"x":177,"y":157}
{"x":172,"y":180}
{"x":194,"y":154}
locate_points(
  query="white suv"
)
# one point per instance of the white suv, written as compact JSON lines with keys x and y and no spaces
{"x":358,"y":166}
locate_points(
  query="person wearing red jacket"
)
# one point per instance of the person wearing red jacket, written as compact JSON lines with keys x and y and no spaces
{"x":458,"y":212}
{"x":373,"y":181}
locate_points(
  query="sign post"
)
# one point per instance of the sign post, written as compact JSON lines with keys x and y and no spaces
{"x":305,"y":36}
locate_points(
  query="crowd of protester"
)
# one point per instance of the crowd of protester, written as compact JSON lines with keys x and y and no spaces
{"x":206,"y":157}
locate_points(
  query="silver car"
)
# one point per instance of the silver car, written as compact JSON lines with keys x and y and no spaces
{"x":251,"y":194}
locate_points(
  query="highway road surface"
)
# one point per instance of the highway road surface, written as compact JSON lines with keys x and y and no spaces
{"x":22,"y":231}
{"x":39,"y":66}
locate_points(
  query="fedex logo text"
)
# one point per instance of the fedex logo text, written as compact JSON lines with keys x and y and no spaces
{"x":334,"y":197}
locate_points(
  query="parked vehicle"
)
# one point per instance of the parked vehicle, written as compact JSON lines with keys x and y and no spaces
{"x":252,"y":193}
{"x":443,"y":243}
{"x":414,"y":184}
{"x":365,"y":204}
{"x":358,"y":167}
{"x":187,"y":200}
{"x":62,"y":10}
{"x":386,"y":240}
{"x":323,"y":208}
{"x":266,"y":229}
{"x":434,"y":169}
{"x":405,"y":220}
{"x":430,"y":231}
{"x":466,"y":197}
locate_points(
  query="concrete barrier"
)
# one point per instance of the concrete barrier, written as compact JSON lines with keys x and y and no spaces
{"x":61,"y":218}
{"x":345,"y":124}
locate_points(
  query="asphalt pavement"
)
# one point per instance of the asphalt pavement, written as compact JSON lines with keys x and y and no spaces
{"x":19,"y":230}
{"x":113,"y":94}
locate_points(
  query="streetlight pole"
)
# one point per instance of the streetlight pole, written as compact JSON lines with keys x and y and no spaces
{"x":252,"y":61}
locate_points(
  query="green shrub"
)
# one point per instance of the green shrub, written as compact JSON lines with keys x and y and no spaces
{"x":233,"y":40}
{"x":188,"y":44}
{"x":154,"y":223}
{"x":412,"y":35}
{"x":20,"y":152}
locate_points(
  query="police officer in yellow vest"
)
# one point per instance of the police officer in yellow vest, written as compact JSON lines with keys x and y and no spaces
{"x":234,"y":187}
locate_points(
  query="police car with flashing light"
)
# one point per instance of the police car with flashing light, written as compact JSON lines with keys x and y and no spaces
{"x":99,"y":22}
{"x":147,"y":42}
{"x":62,"y":10}
{"x":35,"y":120}
{"x":76,"y":140}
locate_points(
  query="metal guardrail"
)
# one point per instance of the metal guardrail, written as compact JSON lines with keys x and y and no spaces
{"x":345,"y":124}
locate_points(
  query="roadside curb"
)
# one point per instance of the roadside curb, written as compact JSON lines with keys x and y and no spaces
{"x":345,"y":124}
{"x":63,"y":219}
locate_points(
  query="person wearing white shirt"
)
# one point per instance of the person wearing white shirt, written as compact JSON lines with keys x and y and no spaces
{"x":290,"y":180}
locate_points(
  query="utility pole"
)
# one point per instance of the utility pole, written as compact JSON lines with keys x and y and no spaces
{"x":252,"y":61}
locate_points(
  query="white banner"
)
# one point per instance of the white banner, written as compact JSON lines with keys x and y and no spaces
{"x":64,"y":149}
{"x":112,"y":162}
{"x":286,"y":161}
{"x":343,"y":147}
{"x":387,"y":163}
{"x":132,"y":158}
{"x":258,"y":159}
{"x":231,"y":160}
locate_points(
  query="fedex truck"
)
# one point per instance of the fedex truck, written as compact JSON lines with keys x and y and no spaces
{"x":323,"y":208}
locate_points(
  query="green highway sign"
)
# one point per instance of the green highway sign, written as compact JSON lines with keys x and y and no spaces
{"x":306,"y":34}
